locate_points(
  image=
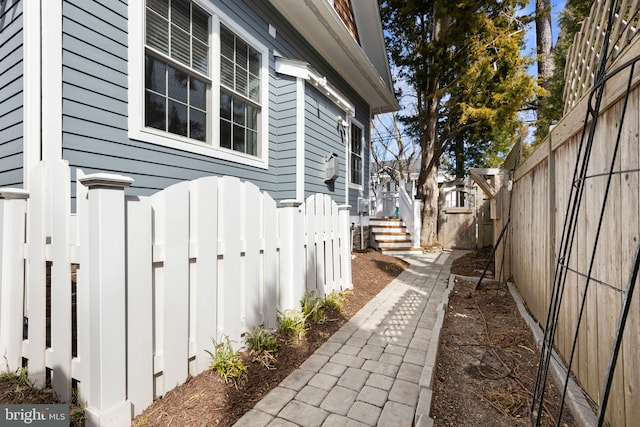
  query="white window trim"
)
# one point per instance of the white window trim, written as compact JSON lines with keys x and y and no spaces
{"x":137,"y":130}
{"x":352,"y":122}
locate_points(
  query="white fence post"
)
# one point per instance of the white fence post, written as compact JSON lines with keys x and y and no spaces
{"x":345,"y":246}
{"x":416,"y":226}
{"x":107,"y":359}
{"x":13,"y":205}
{"x":292,"y":280}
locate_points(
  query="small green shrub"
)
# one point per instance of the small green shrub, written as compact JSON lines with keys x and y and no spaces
{"x":335,"y":301}
{"x":227,"y":362}
{"x":312,"y":308}
{"x":263,"y":345}
{"x":292,"y":323}
{"x":394,"y":268}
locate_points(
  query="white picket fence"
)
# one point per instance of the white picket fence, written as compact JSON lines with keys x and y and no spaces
{"x":158,"y":278}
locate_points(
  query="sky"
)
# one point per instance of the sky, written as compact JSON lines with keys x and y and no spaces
{"x":530,"y":37}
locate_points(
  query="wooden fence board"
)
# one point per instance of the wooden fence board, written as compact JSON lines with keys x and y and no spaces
{"x":253,"y":258}
{"x":139,"y":304}
{"x":335,"y":246}
{"x":270,"y":232}
{"x":328,"y":247}
{"x":82,"y":288}
{"x":204,"y":235}
{"x":608,"y":258}
{"x":172,"y":287}
{"x":12,"y":244}
{"x":233,"y":294}
{"x":60,"y":351}
{"x":630,"y":217}
{"x":594,"y":194}
{"x":312,"y":251}
{"x":36,"y":277}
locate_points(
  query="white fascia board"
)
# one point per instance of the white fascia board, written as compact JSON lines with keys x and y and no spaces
{"x":303,"y":70}
{"x":318,"y":22}
{"x":371,"y":36}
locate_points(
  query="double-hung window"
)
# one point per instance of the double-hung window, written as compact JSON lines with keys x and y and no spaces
{"x":239,"y":93}
{"x":177,"y":71}
{"x":355,"y":170}
{"x":204,"y":85}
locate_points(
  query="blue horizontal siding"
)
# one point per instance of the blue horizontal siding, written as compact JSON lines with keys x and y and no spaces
{"x":11,"y":93}
{"x":322,"y":139}
{"x":95,"y":106}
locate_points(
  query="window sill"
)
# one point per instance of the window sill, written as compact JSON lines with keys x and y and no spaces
{"x":156,"y":138}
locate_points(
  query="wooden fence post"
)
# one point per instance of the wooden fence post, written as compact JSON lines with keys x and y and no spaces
{"x":551,"y":220}
{"x":107,"y":358}
{"x":345,"y":246}
{"x":292,"y":276}
{"x":13,"y":206}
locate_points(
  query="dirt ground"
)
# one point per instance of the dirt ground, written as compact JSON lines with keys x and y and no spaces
{"x":487,"y":360}
{"x":484,"y":374}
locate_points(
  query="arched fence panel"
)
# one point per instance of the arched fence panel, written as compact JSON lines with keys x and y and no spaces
{"x":126,"y":297}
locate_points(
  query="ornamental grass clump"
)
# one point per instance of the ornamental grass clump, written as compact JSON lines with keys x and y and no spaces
{"x":335,"y":301}
{"x":292,"y":323}
{"x":312,"y":308}
{"x":227,"y":362}
{"x":263,"y":345}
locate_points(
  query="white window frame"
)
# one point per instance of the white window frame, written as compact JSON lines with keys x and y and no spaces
{"x":136,"y":70}
{"x":353,"y":122}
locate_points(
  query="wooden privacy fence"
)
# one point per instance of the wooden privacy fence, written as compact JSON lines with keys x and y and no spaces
{"x":156,"y":279}
{"x":540,"y":197}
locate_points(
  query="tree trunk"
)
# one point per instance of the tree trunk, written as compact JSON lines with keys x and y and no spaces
{"x":428,"y":105}
{"x":544,"y":42}
{"x":428,"y":189}
{"x":428,"y":179}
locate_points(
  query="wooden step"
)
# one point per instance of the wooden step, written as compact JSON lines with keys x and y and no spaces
{"x":400,"y":250}
{"x":390,"y":236}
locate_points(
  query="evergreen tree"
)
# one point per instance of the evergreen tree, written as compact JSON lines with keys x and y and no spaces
{"x":463,"y":62}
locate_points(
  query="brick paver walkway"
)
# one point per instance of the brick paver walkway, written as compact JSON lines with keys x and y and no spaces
{"x":377,"y":370}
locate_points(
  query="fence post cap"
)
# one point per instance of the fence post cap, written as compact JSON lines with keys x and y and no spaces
{"x":344,"y":207}
{"x":290,"y":203}
{"x":13,"y":193}
{"x":105,"y":180}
